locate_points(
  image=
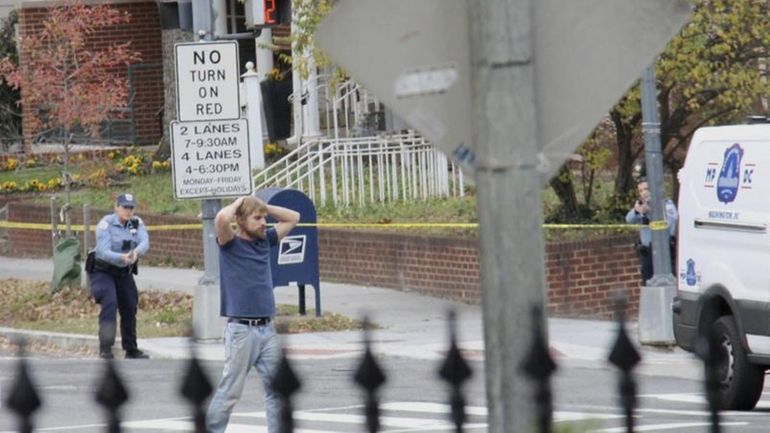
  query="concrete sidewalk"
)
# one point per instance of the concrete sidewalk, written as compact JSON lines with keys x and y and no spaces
{"x":414,"y":326}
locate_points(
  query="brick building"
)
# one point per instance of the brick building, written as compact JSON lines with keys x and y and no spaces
{"x":142,"y":124}
{"x":153,"y":30}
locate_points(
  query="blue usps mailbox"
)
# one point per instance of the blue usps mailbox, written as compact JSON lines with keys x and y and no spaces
{"x":295,"y":260}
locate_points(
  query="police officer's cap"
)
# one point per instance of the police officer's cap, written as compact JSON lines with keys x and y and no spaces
{"x":127,"y":200}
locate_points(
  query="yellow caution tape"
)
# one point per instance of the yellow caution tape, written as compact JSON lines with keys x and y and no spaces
{"x":153,"y":228}
{"x":390,"y":225}
{"x":35,"y":226}
{"x":654,"y":225}
{"x":80,"y":227}
{"x":592,"y":226}
{"x":658,"y":225}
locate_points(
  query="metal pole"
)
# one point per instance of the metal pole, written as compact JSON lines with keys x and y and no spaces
{"x":207,"y":324}
{"x":86,"y":283}
{"x":54,"y":226}
{"x":655,"y":299}
{"x":509,"y":201}
{"x":296,"y":80}
{"x":661,"y":258}
{"x":264,"y":53}
{"x":254,"y":115}
{"x":310,"y":109}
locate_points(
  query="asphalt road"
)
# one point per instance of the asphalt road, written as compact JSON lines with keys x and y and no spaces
{"x":329,"y":401}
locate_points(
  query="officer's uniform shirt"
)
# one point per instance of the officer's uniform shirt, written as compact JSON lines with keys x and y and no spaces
{"x":111,"y":234}
{"x":645,"y":234}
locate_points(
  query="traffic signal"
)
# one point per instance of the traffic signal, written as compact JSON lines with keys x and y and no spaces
{"x":267,"y":13}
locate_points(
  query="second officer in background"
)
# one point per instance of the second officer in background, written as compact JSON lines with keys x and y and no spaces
{"x":121,"y":238}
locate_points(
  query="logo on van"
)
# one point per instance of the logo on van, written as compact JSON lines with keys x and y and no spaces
{"x":689,"y":275}
{"x":729,"y":175}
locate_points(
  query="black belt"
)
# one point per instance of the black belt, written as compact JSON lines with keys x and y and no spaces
{"x":257,"y":321}
{"x":102,"y":266}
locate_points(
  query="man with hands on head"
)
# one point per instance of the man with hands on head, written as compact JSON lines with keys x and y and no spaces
{"x":247,"y":301}
{"x":121,"y":238}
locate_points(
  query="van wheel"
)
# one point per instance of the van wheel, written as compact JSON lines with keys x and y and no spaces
{"x":741,"y":381}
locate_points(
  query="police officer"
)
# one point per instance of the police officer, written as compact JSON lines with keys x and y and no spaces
{"x":639,"y":215}
{"x":121,"y":238}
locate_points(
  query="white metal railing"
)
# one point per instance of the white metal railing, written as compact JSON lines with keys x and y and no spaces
{"x":345,"y":106}
{"x":357,"y":171}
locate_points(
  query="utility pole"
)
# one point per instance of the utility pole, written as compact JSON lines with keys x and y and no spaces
{"x":504,"y":130}
{"x":656,"y":297}
{"x":206,"y":320}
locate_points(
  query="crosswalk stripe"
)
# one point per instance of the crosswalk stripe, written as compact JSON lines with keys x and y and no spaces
{"x":701,"y":412}
{"x":439,"y":408}
{"x":693,"y":398}
{"x":160,"y":424}
{"x":427,"y":407}
{"x":181,"y":425}
{"x":670,"y":426}
{"x":344,"y":418}
{"x":563,"y":416}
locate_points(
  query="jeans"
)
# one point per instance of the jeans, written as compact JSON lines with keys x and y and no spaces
{"x":246,"y":346}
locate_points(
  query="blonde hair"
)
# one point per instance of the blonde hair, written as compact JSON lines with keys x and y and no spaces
{"x":250,"y":205}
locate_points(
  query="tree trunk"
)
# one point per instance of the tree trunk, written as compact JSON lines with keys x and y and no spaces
{"x":169,"y":37}
{"x":67,"y":182}
{"x":565,"y":190}
{"x":624,"y":143}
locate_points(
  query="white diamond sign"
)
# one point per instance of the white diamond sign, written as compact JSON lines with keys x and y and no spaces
{"x":414,"y":56}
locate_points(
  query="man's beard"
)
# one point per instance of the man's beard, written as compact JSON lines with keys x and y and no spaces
{"x":255,"y":234}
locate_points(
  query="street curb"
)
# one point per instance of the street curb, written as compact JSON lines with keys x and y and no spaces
{"x":58,"y":339}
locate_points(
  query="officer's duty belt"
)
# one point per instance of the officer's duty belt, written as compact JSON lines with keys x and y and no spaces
{"x":102,"y":266}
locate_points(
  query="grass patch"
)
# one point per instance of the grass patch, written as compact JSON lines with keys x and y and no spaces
{"x":30,"y":305}
{"x":156,"y":196}
{"x":43,"y":174}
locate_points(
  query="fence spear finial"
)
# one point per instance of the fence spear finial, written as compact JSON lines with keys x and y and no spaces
{"x":23,"y":398}
{"x":625,"y":356}
{"x":370,"y":377}
{"x":196,"y":388}
{"x":456,"y":371}
{"x":286,"y":383}
{"x":112,"y":394}
{"x":539,"y":366}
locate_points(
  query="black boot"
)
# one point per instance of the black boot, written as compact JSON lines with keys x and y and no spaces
{"x":105,"y":352}
{"x":136,"y":354}
{"x":106,"y":341}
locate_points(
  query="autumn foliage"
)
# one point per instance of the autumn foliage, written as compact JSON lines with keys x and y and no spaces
{"x":63,"y":78}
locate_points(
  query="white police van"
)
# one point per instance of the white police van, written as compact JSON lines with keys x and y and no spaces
{"x":723,"y":255}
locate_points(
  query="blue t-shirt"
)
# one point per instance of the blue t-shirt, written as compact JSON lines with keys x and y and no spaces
{"x":245,"y":280}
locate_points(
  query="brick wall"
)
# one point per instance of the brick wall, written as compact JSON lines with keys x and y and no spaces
{"x":183,"y":247}
{"x":584,"y":277}
{"x":143,"y":31}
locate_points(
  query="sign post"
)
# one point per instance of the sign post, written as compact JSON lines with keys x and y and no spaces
{"x":210,"y":148}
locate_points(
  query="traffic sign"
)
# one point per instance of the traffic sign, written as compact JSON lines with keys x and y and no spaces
{"x":210,"y":159}
{"x":587,"y":54}
{"x":420,"y":67}
{"x":207,"y":81}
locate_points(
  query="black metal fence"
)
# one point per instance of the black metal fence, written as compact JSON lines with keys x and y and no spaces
{"x":24,"y":400}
